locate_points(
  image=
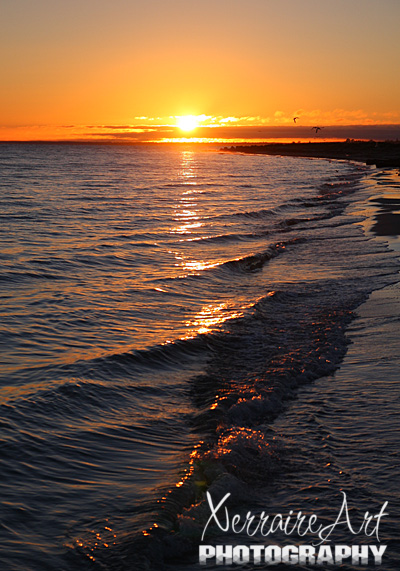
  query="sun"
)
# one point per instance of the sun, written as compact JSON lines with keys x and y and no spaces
{"x":187,"y":122}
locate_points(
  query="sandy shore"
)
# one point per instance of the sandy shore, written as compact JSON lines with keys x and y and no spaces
{"x":381,"y":154}
{"x":387,"y":220}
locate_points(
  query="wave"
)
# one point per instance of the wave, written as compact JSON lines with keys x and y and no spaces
{"x":59,"y":399}
{"x":173,"y":355}
{"x":246,"y":264}
{"x":253,"y":370}
{"x":254,"y":262}
{"x":233,"y":237}
{"x":290,"y":337}
{"x":325,"y":193}
{"x":26,"y":276}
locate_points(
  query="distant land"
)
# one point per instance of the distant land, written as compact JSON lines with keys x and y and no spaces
{"x":378,"y":153}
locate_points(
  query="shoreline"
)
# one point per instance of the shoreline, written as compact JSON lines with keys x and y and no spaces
{"x":381,"y":154}
{"x":321,"y":407}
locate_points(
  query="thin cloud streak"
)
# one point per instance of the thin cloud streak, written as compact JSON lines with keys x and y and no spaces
{"x":251,"y":133}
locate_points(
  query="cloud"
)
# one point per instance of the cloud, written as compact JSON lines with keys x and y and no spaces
{"x":338,"y":123}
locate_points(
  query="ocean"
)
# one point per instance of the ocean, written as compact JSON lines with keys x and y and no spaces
{"x":179,"y":324}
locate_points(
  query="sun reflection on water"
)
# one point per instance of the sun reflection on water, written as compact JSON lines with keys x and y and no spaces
{"x":185,"y":211}
{"x":211,"y":316}
{"x":188,"y":217}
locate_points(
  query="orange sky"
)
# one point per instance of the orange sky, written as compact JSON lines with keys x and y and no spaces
{"x":85,"y":68}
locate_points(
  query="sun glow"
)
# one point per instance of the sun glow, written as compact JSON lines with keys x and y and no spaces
{"x":187,"y":122}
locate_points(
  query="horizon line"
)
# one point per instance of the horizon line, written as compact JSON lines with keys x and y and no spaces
{"x":139,"y":134}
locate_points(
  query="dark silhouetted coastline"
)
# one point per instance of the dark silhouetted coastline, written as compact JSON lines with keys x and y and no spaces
{"x":380,"y":154}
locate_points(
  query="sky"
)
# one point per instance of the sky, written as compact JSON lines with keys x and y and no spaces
{"x":129,"y":69}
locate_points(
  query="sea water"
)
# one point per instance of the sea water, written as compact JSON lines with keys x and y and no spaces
{"x":162,"y":310}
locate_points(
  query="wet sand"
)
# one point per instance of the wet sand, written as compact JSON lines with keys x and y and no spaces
{"x":387,"y":219}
